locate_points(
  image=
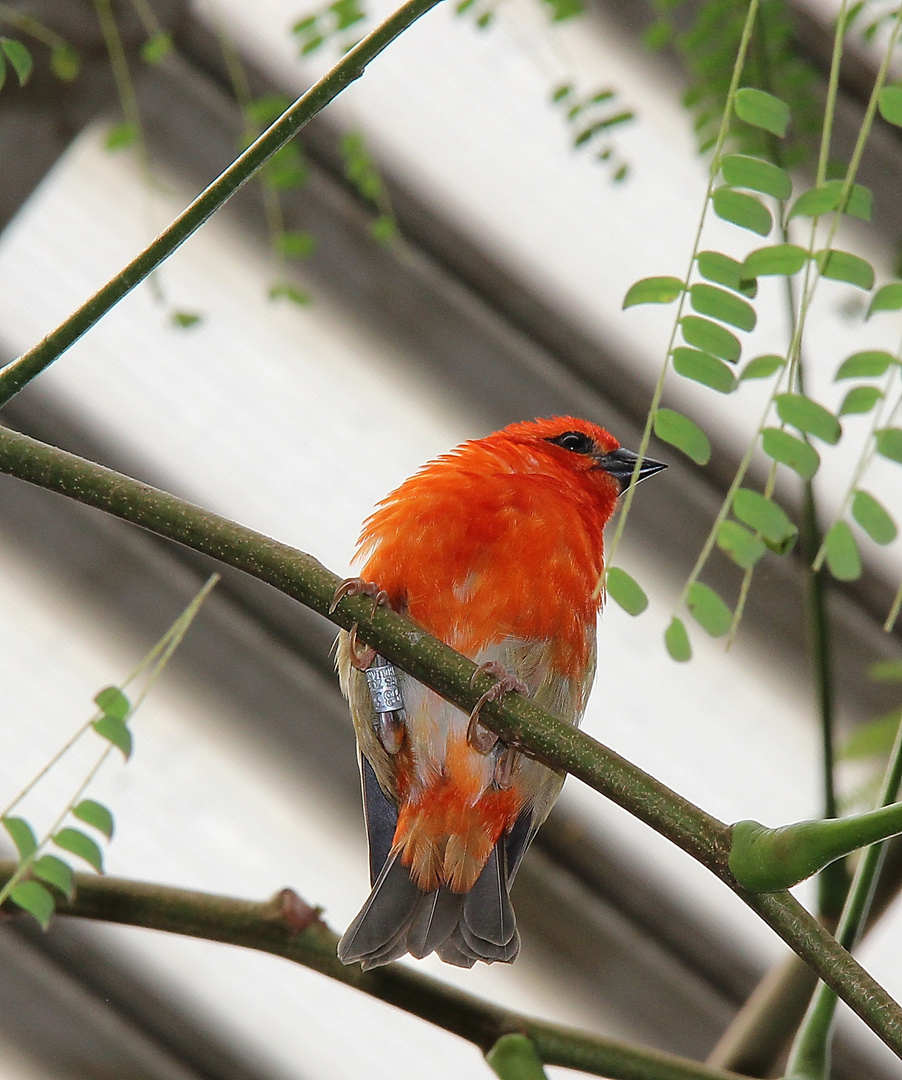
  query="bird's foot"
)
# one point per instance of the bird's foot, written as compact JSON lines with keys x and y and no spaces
{"x":362,"y":656}
{"x":482,"y":740}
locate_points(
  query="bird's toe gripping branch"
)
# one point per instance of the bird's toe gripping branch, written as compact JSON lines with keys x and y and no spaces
{"x":482,"y":740}
{"x":362,"y":656}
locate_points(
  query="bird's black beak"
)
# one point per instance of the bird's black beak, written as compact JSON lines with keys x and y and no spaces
{"x":621,"y":464}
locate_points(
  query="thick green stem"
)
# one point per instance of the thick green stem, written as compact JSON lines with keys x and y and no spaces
{"x":516,"y":719}
{"x":286,"y":926}
{"x":351,"y":66}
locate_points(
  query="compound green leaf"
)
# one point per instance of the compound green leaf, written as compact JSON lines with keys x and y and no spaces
{"x":842,"y":553}
{"x":786,"y":259}
{"x":743,"y":547}
{"x":869,"y":364}
{"x":708,"y":610}
{"x":889,"y":443}
{"x":890,"y":104}
{"x":873,"y":518}
{"x":765,"y":517}
{"x":824,"y":199}
{"x":791,"y":451}
{"x":762,"y":367}
{"x":676,"y":639}
{"x":887,"y":298}
{"x":860,"y":399}
{"x":653,"y":290}
{"x":96,"y":814}
{"x":808,"y":416}
{"x":22,"y":836}
{"x":740,"y":170}
{"x":844,"y":266}
{"x":31,"y":896}
{"x":711,"y":337}
{"x":703,"y":368}
{"x":722,"y":305}
{"x":626,"y":591}
{"x":743,"y":210}
{"x":82,"y":845}
{"x":113,"y":702}
{"x":57,"y":873}
{"x":762,"y":110}
{"x":678,"y":430}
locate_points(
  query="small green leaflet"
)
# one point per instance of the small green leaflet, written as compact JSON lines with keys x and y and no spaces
{"x":653,"y":290}
{"x":889,"y":443}
{"x":844,"y":266}
{"x":116,"y":732}
{"x":886,"y":298}
{"x":626,"y":591}
{"x":703,"y":368}
{"x":721,"y":269}
{"x":156,"y":48}
{"x":184,"y":320}
{"x":808,"y":416}
{"x":873,"y":518}
{"x":113,"y":702}
{"x":889,"y":671}
{"x":761,"y":109}
{"x":708,"y":610}
{"x":824,"y":199}
{"x":765,"y":517}
{"x":22,"y":836}
{"x":762,"y":367}
{"x":284,"y":290}
{"x":678,"y":430}
{"x":121,"y":135}
{"x":711,"y":337}
{"x":18,"y":56}
{"x":860,"y":399}
{"x":799,"y":456}
{"x":842,"y":553}
{"x":676,"y":640}
{"x":32,"y":897}
{"x":874,"y":737}
{"x":890,"y":104}
{"x":722,"y":305}
{"x":296,"y":244}
{"x":82,"y":845}
{"x":870,"y":364}
{"x":96,"y":814}
{"x":65,"y":63}
{"x":740,"y":170}
{"x":57,"y":873}
{"x":785,"y":259}
{"x":742,"y":210}
{"x":743,"y":547}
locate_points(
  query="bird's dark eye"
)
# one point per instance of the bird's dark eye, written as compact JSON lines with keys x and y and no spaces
{"x":576,"y":441}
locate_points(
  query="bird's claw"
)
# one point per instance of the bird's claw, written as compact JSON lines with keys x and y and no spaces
{"x":355,"y":586}
{"x":483,"y":741}
{"x":361,"y":656}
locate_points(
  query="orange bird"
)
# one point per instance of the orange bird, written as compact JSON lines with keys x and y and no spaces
{"x":496,"y":548}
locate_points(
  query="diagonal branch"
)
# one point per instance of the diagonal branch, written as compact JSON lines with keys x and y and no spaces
{"x":286,"y":926}
{"x":351,"y":66}
{"x":517,"y":720}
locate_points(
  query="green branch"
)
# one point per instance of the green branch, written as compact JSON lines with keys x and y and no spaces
{"x":287,"y":926}
{"x":351,"y":66}
{"x":516,"y":719}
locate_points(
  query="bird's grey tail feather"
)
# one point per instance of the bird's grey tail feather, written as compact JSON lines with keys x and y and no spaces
{"x":462,"y":928}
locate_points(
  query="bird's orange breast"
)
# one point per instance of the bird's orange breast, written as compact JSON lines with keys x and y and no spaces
{"x":478,"y":558}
